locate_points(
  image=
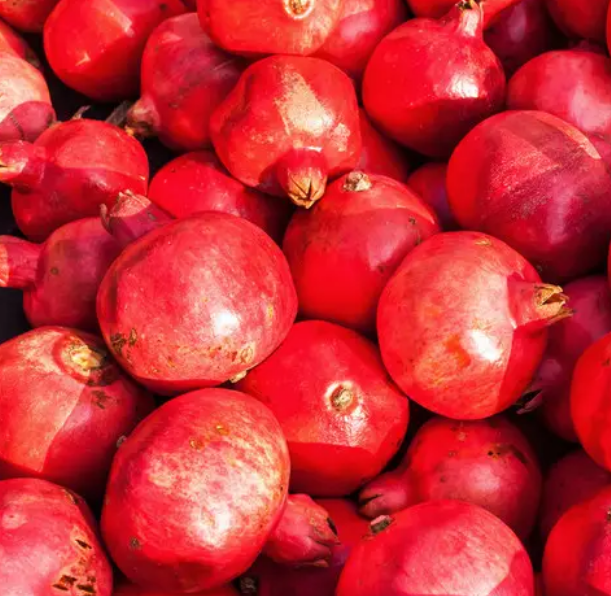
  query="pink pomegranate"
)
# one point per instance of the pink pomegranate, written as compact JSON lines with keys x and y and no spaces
{"x":106,"y":41}
{"x":435,"y":9}
{"x":429,"y":82}
{"x":196,"y":303}
{"x":339,"y":276}
{"x":13,"y":43}
{"x":537,"y":183}
{"x":341,"y":415}
{"x":27,"y":16}
{"x":289,"y":125}
{"x":429,"y":182}
{"x":472,"y":550}
{"x":465,"y":342}
{"x":129,"y":589}
{"x":580,"y":19}
{"x":227,"y":453}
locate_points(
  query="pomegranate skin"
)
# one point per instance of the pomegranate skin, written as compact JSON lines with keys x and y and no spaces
{"x":466,"y":342}
{"x":127,"y":589}
{"x":48,"y":542}
{"x":198,"y":182}
{"x":27,"y":16}
{"x":573,"y":479}
{"x":488,"y":463}
{"x":342,"y":416}
{"x":448,"y":81}
{"x":227,"y":453}
{"x":474,"y":553}
{"x":338,"y":276}
{"x":222,"y":311}
{"x":581,"y":20}
{"x":288,"y":125}
{"x":59,"y":391}
{"x":184,"y":77}
{"x":107,"y":39}
{"x":537,"y":183}
{"x":12,"y":43}
{"x":429,"y":182}
{"x":434,"y":9}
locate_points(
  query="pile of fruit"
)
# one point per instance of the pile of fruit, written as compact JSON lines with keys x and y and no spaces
{"x":305,"y":298}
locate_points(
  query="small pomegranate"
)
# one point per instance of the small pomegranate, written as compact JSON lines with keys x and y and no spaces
{"x":288,"y":125}
{"x":578,"y":19}
{"x":341,"y":415}
{"x":128,"y":589}
{"x":339,"y":277}
{"x":27,"y":16}
{"x":106,"y":41}
{"x":184,"y":78}
{"x":429,"y":182}
{"x":430,"y":82}
{"x":434,"y":9}
{"x":465,"y":342}
{"x":12,"y":43}
{"x":227,"y":453}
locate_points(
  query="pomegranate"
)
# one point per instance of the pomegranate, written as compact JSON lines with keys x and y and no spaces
{"x":258,"y":27}
{"x":106,"y":41}
{"x":12,"y":43}
{"x":184,"y":78}
{"x":537,"y":183}
{"x":71,"y":169}
{"x":434,"y":9}
{"x":580,"y":19}
{"x":227,"y":453}
{"x":429,"y":82}
{"x":465,"y":342}
{"x":128,"y":589}
{"x":288,"y":125}
{"x":339,"y":276}
{"x":27,"y":16}
{"x":473,"y":553}
{"x":196,"y":303}
{"x":198,"y":182}
{"x":48,"y":542}
{"x":341,"y":415}
{"x":488,"y":463}
{"x":429,"y":182}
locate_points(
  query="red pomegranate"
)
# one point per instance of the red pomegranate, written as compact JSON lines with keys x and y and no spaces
{"x":581,"y":20}
{"x":27,"y":16}
{"x":342,"y":416}
{"x":106,"y":41}
{"x":227,"y":454}
{"x":435,"y":9}
{"x":198,"y":182}
{"x":428,"y":83}
{"x":465,"y":342}
{"x":196,"y":303}
{"x":537,"y":183}
{"x":129,"y":589}
{"x":69,"y":172}
{"x":184,"y":78}
{"x":343,"y":252}
{"x":13,"y":43}
{"x":429,"y":182}
{"x":288,"y":125}
{"x":472,"y":551}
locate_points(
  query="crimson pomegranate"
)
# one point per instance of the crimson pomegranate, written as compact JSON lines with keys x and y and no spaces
{"x":435,"y":9}
{"x":13,"y":43}
{"x":581,"y":20}
{"x":27,"y":16}
{"x":429,"y":182}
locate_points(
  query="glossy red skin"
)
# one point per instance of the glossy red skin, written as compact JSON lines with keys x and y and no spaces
{"x":338,"y":276}
{"x":582,"y":20}
{"x":438,"y":8}
{"x":539,"y":184}
{"x":362,"y":25}
{"x":198,"y":182}
{"x":609,"y":28}
{"x":520,"y":33}
{"x":127,"y":589}
{"x":487,"y":463}
{"x":27,"y":16}
{"x":429,"y":182}
{"x":184,"y":77}
{"x":447,"y":82}
{"x":12,"y":43}
{"x":225,"y":301}
{"x":292,"y":103}
{"x":342,"y":416}
{"x":584,"y":568}
{"x":573,"y":479}
{"x":258,"y":27}
{"x":48,"y":542}
{"x":107,"y":38}
{"x":216,"y":463}
{"x":465,"y":342}
{"x":61,"y":416}
{"x":472,"y":550}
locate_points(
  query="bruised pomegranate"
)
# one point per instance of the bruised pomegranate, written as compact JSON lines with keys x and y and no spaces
{"x":537,"y":183}
{"x":128,"y":589}
{"x":439,"y":547}
{"x":429,"y":82}
{"x":69,"y":172}
{"x":198,"y":182}
{"x":341,"y":415}
{"x":488,"y":463}
{"x":339,"y":277}
{"x":196,"y":303}
{"x":227,"y":453}
{"x":27,"y":16}
{"x":288,"y":125}
{"x":12,"y":43}
{"x":465,"y":342}
{"x":580,"y":19}
{"x":429,"y":182}
{"x":435,"y":9}
{"x":95,"y":47}
{"x":184,"y":78}
{"x":64,"y":404}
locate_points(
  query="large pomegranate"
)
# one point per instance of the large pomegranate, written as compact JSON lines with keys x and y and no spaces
{"x":27,"y":16}
{"x":580,"y":19}
{"x":13,"y":43}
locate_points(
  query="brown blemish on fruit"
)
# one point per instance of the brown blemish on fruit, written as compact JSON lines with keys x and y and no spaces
{"x":341,"y":398}
{"x":100,"y":399}
{"x":237,"y":378}
{"x":455,"y":348}
{"x":71,"y":496}
{"x":54,"y":271}
{"x":133,"y":338}
{"x":452,"y":453}
{"x":483,"y":242}
{"x":380,"y":524}
{"x":84,"y":545}
{"x":117,"y":341}
{"x":86,"y":588}
{"x":65,"y":583}
{"x":221,"y":430}
{"x":270,"y":311}
{"x":135,"y":544}
{"x":357,"y":182}
{"x":247,"y":354}
{"x":196,"y":444}
{"x":298,"y":8}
